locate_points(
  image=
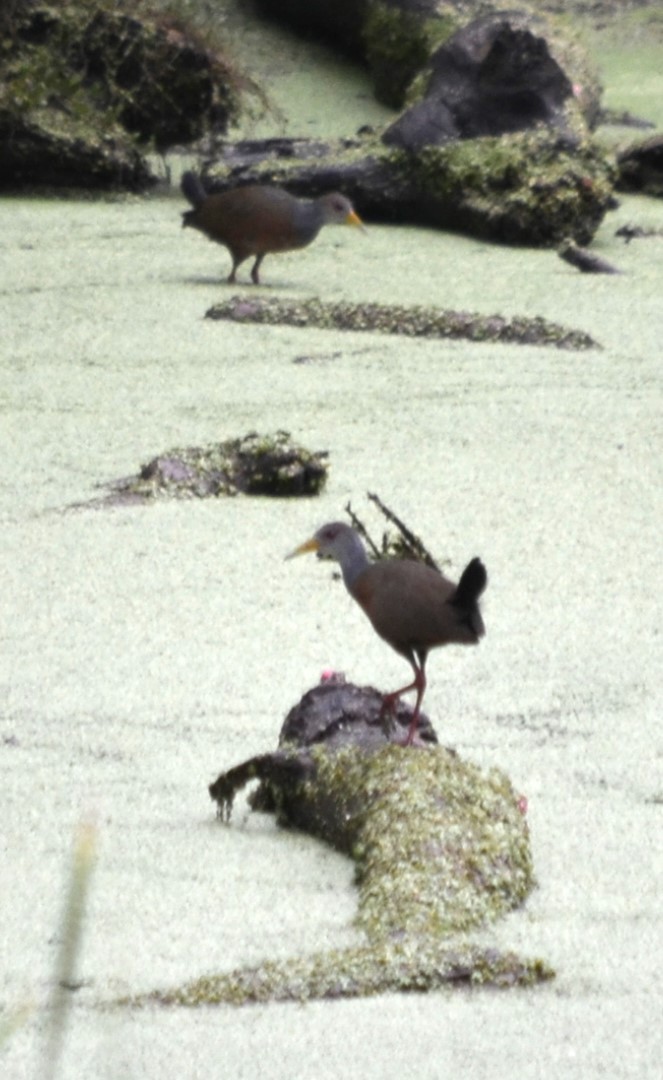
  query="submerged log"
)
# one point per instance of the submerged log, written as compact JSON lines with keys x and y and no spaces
{"x":440,"y":847}
{"x":586,"y":261}
{"x":636,"y":232}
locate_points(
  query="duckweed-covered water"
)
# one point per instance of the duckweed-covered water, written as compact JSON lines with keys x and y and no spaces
{"x":145,"y":649}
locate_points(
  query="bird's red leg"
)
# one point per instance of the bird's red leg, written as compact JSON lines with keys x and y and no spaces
{"x":388,"y":700}
{"x":255,"y":272}
{"x":419,"y":684}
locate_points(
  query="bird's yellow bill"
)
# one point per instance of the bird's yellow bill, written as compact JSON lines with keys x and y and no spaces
{"x":354,"y":219}
{"x":303,"y":549}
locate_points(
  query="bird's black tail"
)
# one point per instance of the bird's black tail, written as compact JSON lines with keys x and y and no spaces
{"x":193,"y":189}
{"x":472,"y":582}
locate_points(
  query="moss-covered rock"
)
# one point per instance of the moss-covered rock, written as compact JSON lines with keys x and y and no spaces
{"x":85,"y":85}
{"x":534,"y":188}
{"x":399,"y":43}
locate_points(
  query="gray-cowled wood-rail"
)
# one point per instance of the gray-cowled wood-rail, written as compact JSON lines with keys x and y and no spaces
{"x":413,"y":607}
{"x":256,"y":220}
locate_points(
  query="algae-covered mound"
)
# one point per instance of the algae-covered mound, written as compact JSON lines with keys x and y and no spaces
{"x":380,"y":968}
{"x":251,"y":465}
{"x":414,"y":321}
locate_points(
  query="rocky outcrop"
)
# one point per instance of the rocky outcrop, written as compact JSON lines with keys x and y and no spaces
{"x":493,"y":77}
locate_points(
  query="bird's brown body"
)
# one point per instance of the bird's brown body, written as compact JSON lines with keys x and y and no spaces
{"x":411,"y":606}
{"x":255,"y":220}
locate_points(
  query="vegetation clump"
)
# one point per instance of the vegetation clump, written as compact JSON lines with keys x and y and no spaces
{"x":251,"y":465}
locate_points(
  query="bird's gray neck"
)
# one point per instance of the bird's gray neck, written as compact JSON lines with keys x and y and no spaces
{"x":308,"y":219}
{"x":354,"y":560}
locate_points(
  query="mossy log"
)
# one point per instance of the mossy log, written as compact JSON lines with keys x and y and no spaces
{"x":440,"y":848}
{"x":535,"y":187}
{"x":585,"y":261}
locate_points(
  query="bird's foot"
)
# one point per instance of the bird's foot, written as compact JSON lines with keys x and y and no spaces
{"x":390,"y":725}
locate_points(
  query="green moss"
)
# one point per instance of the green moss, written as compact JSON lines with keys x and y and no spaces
{"x":532,"y":187}
{"x":399,"y":45}
{"x":83,"y":73}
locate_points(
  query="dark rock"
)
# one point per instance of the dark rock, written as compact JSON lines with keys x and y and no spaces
{"x":337,"y":713}
{"x":493,"y":77}
{"x":641,"y":167}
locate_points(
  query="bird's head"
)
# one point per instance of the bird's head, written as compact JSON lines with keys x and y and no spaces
{"x":330,"y":542}
{"x":337,"y":210}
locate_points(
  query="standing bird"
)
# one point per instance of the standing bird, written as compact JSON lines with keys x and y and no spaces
{"x":413,"y":607}
{"x":256,"y":220}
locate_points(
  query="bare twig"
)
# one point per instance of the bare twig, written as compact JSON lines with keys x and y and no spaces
{"x":411,"y":544}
